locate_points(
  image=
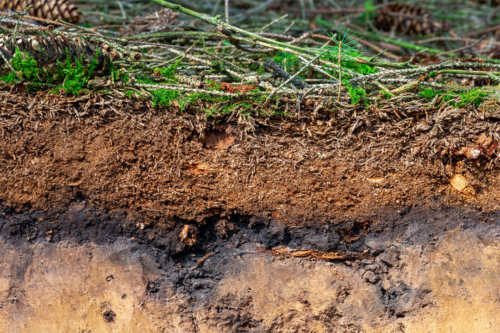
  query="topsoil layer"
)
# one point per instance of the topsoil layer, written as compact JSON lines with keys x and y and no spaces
{"x":120,"y":218}
{"x":162,"y":167}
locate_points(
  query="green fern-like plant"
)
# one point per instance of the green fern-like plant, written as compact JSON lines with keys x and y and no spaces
{"x":164,"y":97}
{"x":286,"y":60}
{"x":169,"y":71}
{"x":345,"y":47}
{"x":74,"y":74}
{"x":357,"y":94}
{"x":26,"y":68}
{"x":475,"y":96}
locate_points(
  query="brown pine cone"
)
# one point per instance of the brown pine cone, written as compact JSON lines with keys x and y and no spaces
{"x":49,"y":49}
{"x":48,"y":9}
{"x":485,"y":2}
{"x":157,"y":21}
{"x":406,"y":19}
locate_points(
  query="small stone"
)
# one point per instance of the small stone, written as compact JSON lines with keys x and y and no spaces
{"x":386,"y":285}
{"x":372,"y":268}
{"x":389,"y":258}
{"x":366,"y":262}
{"x":370,"y":277}
{"x":459,"y":182}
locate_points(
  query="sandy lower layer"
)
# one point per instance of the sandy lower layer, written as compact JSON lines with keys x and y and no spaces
{"x":436,"y":276}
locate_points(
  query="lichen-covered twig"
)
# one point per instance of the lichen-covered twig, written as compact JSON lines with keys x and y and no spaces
{"x":290,"y":79}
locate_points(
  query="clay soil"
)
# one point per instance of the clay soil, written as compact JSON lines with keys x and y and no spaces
{"x":124,"y":218}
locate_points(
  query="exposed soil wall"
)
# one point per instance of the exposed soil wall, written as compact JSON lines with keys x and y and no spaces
{"x":167,"y":166}
{"x":149,"y":220}
{"x":89,"y":271}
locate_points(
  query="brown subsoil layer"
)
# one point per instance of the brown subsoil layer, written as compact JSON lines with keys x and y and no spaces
{"x":119,"y":218}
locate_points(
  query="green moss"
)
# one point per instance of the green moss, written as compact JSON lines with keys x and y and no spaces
{"x":25,"y":66}
{"x":386,"y":94}
{"x":430,"y":93}
{"x":72,"y":73}
{"x":132,"y":94}
{"x":170,"y":70}
{"x":218,"y":105}
{"x":357,"y":94}
{"x":359,"y":68}
{"x":213,"y":86}
{"x":75,"y":76}
{"x":164,"y":97}
{"x":471,"y":97}
{"x":433,"y":74}
{"x":192,"y":98}
{"x":474,"y":97}
{"x":233,"y":106}
{"x":75,"y":79}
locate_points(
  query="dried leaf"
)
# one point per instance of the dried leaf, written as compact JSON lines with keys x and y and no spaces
{"x":236,"y":89}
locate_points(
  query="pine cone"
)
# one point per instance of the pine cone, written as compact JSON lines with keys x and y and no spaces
{"x":406,"y":19}
{"x":156,"y":21}
{"x":48,"y":49}
{"x":48,"y":9}
{"x":485,"y":2}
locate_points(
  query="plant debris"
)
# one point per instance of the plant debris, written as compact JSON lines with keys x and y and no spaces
{"x":311,"y":254}
{"x":406,"y":19}
{"x":156,"y":22}
{"x":222,"y":69}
